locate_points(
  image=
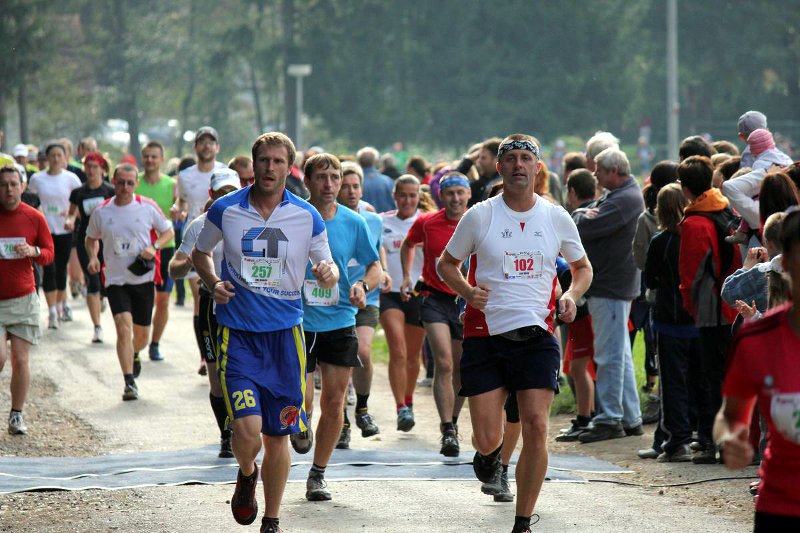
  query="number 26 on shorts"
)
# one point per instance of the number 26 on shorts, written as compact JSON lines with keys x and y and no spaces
{"x":242,"y":399}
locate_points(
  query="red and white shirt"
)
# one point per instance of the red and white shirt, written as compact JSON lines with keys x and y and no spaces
{"x":513,"y":254}
{"x":433,"y":231}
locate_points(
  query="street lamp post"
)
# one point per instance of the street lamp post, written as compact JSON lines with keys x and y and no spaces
{"x":298,"y":72}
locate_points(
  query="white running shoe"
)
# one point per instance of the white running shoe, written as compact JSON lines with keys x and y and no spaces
{"x":98,"y":335}
{"x":16,"y":425}
{"x":66,"y":314}
{"x":52,"y":321}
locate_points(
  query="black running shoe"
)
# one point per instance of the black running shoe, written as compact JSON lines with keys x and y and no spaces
{"x":344,"y":439}
{"x":243,"y":504}
{"x":450,"y":446}
{"x":366,"y":424}
{"x":225,"y":447}
{"x":487,"y":469}
{"x":269,"y":527}
{"x":137,"y":365}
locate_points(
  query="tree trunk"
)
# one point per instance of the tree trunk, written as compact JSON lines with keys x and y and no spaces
{"x":191,"y":78}
{"x":290,"y":102}
{"x":23,"y":112}
{"x":132,"y":112}
{"x":256,"y":97}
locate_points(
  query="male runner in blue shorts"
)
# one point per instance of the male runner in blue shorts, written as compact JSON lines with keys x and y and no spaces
{"x":269,"y":235}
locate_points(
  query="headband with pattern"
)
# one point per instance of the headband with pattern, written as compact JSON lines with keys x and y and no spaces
{"x":517,"y":145}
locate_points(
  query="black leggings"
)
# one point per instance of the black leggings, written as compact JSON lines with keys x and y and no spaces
{"x":766,"y":522}
{"x":54,"y":275}
{"x":93,"y":285}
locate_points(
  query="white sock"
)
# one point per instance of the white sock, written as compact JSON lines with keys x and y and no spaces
{"x":53,"y":310}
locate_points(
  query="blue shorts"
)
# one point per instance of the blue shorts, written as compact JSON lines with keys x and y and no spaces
{"x":264,"y":374}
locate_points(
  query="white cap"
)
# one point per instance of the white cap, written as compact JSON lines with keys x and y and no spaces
{"x":224,"y":176}
{"x":20,"y":150}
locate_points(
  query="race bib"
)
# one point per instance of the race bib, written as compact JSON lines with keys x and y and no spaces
{"x":90,"y":203}
{"x":52,"y":209}
{"x":522,"y":265}
{"x":7,"y":245}
{"x":393,"y":242}
{"x":785,"y":412}
{"x":262,"y":271}
{"x":316,"y":295}
{"x":125,"y":248}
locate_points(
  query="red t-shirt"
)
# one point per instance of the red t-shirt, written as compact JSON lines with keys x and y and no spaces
{"x":433,"y":231}
{"x":16,"y":275}
{"x":765,"y":362}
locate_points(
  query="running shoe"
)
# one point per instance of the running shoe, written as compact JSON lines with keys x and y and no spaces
{"x":571,"y":433}
{"x":155,"y":355}
{"x":269,"y":527}
{"x":366,"y":424}
{"x":52,"y":321}
{"x":344,"y":439}
{"x":137,"y":365}
{"x":66,"y":314}
{"x":487,"y":469}
{"x":450,"y":446}
{"x":405,"y":419}
{"x":225,"y":447}
{"x":600,"y":432}
{"x":302,"y":442}
{"x":706,"y":457}
{"x":316,"y":487}
{"x":425,"y":382}
{"x":648,"y":453}
{"x":16,"y":424}
{"x":131,"y":392}
{"x":493,"y":486}
{"x":527,"y":528}
{"x":98,"y":335}
{"x":505,"y":494}
{"x":243,"y":504}
{"x":683,"y":454}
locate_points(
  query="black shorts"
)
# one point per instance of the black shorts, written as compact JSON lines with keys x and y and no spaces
{"x":489,"y":363}
{"x":439,"y":307}
{"x":338,"y":347}
{"x":411,"y":308}
{"x":134,"y":299}
{"x":208,"y":326}
{"x":367,"y":317}
{"x":166,"y":282}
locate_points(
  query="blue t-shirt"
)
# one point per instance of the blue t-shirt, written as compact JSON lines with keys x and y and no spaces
{"x":349,"y":239}
{"x":265,"y":260}
{"x":355,"y":270}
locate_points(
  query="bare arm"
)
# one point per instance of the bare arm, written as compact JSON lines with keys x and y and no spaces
{"x":372,"y":276}
{"x":204,"y":265}
{"x":180,"y":265}
{"x":582,"y":275}
{"x":449,"y":268}
{"x":92,"y":247}
{"x":406,"y":258}
{"x":731,"y":429}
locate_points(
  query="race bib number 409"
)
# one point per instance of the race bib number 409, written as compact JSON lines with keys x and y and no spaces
{"x":316,"y":295}
{"x":522,"y":265}
{"x":262,"y":271}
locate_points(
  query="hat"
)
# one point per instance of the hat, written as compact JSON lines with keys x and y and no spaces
{"x":222,"y":177}
{"x":206,"y":130}
{"x":752,"y":120}
{"x":20,"y":150}
{"x":760,"y":140}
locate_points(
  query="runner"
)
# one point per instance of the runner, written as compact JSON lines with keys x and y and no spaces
{"x":54,"y":187}
{"x":83,"y":201}
{"x":160,"y":188}
{"x":24,"y":239}
{"x":259,"y":310}
{"x":125,"y":224}
{"x":366,"y":318}
{"x":330,"y":315}
{"x":243,"y":166}
{"x":513,"y":241}
{"x":439,"y":310}
{"x":223,"y":181}
{"x":400,"y":317}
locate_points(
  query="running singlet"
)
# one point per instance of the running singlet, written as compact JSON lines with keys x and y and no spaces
{"x":190,"y":239}
{"x":330,"y":309}
{"x":775,"y":379}
{"x":86,"y":200}
{"x":163,"y":194}
{"x":514,"y":256}
{"x":394,"y":231}
{"x":192,"y":187}
{"x":125,"y":231}
{"x":54,"y":194}
{"x":265,"y":260}
{"x":355,"y":270}
{"x":433,"y":231}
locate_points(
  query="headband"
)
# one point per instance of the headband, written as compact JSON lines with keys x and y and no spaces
{"x":453,"y":180}
{"x":517,"y":145}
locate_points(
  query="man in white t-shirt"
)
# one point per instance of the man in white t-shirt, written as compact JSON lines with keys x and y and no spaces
{"x":512,"y":242}
{"x":125,"y":224}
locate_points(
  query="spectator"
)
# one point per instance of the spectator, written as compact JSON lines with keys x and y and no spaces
{"x":377,"y":187}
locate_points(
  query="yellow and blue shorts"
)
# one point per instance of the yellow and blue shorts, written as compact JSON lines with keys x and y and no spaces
{"x":264,"y":374}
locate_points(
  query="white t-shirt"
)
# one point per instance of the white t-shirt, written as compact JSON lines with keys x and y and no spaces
{"x":54,"y":192}
{"x":125,"y":232}
{"x":190,"y":234}
{"x":514,"y":255}
{"x":192,"y":187}
{"x":395,"y":230}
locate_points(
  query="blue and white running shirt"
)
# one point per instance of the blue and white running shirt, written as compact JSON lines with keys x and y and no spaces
{"x":265,"y":260}
{"x":355,"y":269}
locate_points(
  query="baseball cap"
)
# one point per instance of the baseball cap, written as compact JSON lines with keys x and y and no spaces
{"x":752,"y":120}
{"x":222,"y":177}
{"x":206,"y":130}
{"x":20,"y":150}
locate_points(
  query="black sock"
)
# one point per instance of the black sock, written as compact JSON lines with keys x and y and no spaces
{"x":270,"y":520}
{"x":361,"y":402}
{"x":522,"y":522}
{"x":128,"y":379}
{"x":583,"y":421}
{"x":198,"y":334}
{"x":16,"y":411}
{"x":448,"y":427}
{"x":220,"y":411}
{"x":455,"y":421}
{"x":135,"y":356}
{"x":154,"y":345}
{"x":505,"y":469}
{"x":495,"y":453}
{"x":316,"y":468}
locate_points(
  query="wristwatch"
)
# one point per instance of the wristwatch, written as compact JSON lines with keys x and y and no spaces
{"x":156,"y":246}
{"x":366,"y":287}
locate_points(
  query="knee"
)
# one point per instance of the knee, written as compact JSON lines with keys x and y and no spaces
{"x":444,"y":366}
{"x":534,"y":428}
{"x":485,"y":442}
{"x":331,"y":403}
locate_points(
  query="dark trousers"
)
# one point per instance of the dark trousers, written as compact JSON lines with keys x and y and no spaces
{"x":675,"y":355}
{"x":714,"y":344}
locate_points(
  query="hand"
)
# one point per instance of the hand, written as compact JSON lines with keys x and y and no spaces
{"x":566,"y":308}
{"x":737,"y":451}
{"x":755,"y":256}
{"x":386,"y":282}
{"x":94,"y":266}
{"x":149,"y":252}
{"x":323,"y":272}
{"x":69,"y":224}
{"x":747,"y":311}
{"x":406,"y":288}
{"x":591,"y":212}
{"x":357,"y":295}
{"x":25,"y":250}
{"x":478,"y":297}
{"x":474,"y":152}
{"x":223,"y":292}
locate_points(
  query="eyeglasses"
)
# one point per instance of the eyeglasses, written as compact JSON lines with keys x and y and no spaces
{"x":205,"y":142}
{"x":129,"y":183}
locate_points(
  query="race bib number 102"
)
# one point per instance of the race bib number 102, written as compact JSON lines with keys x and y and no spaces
{"x":522,"y":265}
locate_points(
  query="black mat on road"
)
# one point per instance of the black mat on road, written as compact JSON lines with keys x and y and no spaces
{"x":201,"y":466}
